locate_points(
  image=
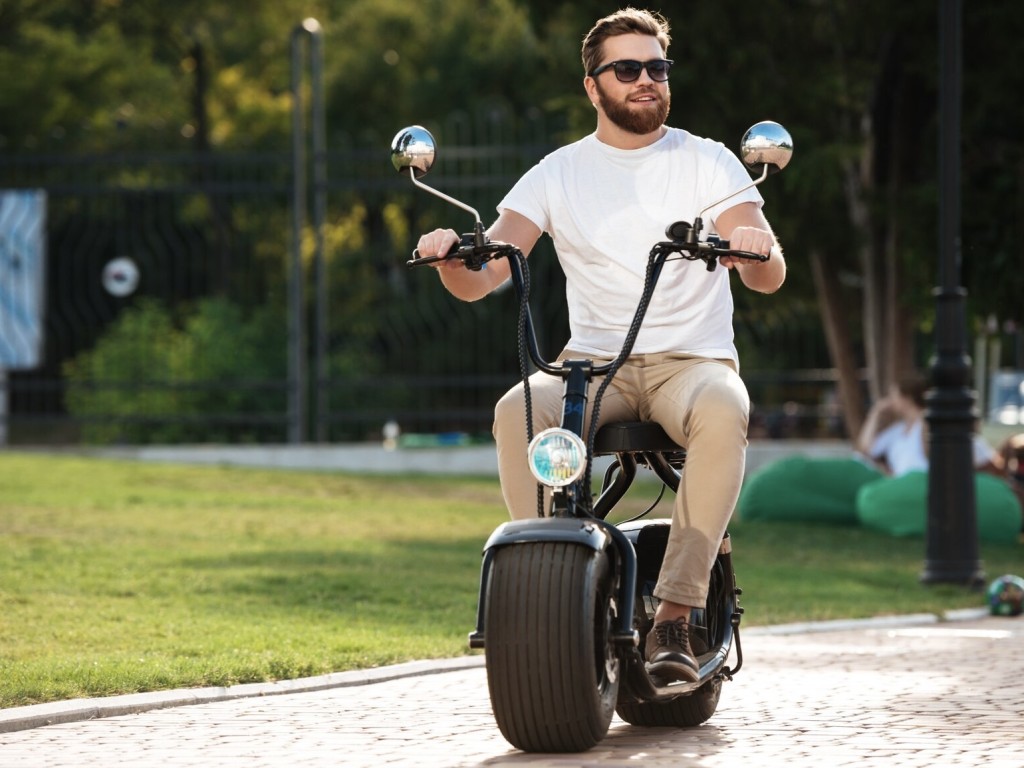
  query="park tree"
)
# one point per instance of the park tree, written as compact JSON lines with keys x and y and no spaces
{"x":114,"y":75}
{"x":855,"y":81}
{"x":865,"y":186}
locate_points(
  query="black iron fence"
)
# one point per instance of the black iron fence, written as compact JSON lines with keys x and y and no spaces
{"x":194,"y":227}
{"x":199,"y":350}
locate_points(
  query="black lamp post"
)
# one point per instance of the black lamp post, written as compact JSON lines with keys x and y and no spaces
{"x":952,"y":533}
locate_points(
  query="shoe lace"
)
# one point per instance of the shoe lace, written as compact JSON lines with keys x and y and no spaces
{"x":672,"y":633}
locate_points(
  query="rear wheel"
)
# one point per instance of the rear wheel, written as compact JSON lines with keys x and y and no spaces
{"x":697,"y":707}
{"x":551,"y":668}
{"x":684,"y":712}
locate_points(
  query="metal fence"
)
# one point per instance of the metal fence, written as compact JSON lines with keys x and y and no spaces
{"x":199,"y":351}
{"x":194,"y":227}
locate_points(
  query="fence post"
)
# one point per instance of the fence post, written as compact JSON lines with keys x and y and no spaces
{"x":298,"y":374}
{"x":319,"y":218}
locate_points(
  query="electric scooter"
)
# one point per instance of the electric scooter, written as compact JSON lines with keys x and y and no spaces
{"x":566,"y":600}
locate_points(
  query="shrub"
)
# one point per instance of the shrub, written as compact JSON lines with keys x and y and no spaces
{"x":212,"y":375}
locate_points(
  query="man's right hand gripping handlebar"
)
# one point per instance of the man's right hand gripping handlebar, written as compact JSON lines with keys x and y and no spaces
{"x":443,"y":249}
{"x":437,"y":249}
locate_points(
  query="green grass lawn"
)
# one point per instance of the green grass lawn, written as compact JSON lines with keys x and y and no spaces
{"x":119,"y":577}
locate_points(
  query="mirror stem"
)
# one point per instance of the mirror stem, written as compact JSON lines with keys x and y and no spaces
{"x":443,"y":196}
{"x":764,"y":175}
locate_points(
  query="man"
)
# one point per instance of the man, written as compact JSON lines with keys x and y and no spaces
{"x":605,"y":200}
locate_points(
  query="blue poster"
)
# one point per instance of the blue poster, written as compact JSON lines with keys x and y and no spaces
{"x":22,"y":276}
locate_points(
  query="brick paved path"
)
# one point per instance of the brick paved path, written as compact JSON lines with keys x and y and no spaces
{"x":932,"y":694}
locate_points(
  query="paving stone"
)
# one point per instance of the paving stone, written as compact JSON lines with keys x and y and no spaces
{"x":947,"y":693}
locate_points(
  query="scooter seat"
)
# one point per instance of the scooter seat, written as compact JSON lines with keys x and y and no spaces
{"x":633,"y":437}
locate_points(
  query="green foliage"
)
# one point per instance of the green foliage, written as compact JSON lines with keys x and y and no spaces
{"x":149,"y":381}
{"x":417,"y":62}
{"x":856,"y":82}
{"x":96,"y":85}
{"x":124,"y":375}
{"x":141,"y":74}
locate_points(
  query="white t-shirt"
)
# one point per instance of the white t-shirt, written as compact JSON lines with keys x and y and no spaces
{"x":605,"y":208}
{"x":901,"y":446}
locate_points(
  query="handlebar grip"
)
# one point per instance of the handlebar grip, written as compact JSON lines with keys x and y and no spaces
{"x":750,"y":255}
{"x":422,"y":261}
{"x":723,"y":245}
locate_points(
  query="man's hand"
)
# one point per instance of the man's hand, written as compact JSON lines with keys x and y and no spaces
{"x":468,"y":284}
{"x":746,"y":229}
{"x":438,"y":243}
{"x":750,"y":239}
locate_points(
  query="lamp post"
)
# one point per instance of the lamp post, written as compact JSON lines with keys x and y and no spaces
{"x":952,"y":534}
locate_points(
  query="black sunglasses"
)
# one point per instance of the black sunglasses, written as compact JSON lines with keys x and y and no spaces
{"x":628,"y":70}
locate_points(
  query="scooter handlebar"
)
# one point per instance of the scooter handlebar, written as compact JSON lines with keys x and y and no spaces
{"x":469,"y":250}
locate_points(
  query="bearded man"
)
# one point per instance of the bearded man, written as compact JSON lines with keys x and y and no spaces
{"x":605,"y":200}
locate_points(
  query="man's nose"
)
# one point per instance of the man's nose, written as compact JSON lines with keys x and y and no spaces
{"x":645,"y":75}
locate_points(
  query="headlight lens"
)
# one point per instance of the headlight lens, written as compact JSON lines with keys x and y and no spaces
{"x":557,"y":457}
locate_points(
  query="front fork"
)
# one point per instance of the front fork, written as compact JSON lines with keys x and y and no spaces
{"x":577,"y":374}
{"x":566,"y":505}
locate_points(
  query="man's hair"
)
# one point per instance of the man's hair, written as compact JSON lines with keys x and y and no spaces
{"x":624,"y":22}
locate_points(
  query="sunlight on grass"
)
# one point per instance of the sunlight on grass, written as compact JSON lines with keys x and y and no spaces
{"x":122,"y":577}
{"x":127,"y":577}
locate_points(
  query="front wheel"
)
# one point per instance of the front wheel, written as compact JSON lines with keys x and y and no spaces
{"x":551,"y":668}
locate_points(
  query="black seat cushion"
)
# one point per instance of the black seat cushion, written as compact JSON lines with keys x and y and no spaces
{"x":633,"y":436}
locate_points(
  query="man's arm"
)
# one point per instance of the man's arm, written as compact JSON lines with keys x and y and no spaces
{"x":746,"y":229}
{"x":465,"y":284}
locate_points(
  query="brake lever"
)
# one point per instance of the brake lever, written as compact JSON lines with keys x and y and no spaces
{"x":474,"y":250}
{"x":710,"y":251}
{"x":421,"y":261}
{"x":717,"y":251}
{"x":467,"y":243}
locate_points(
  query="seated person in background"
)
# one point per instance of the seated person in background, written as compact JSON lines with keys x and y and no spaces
{"x":895,"y":435}
{"x":1011,"y":458}
{"x":1011,"y":451}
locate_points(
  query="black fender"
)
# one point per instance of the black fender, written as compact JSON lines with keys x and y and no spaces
{"x":587,"y":532}
{"x":572,"y":530}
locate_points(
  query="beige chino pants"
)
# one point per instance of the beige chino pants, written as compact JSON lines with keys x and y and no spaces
{"x":701,"y":403}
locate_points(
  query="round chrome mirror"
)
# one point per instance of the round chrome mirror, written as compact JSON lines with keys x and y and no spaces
{"x":413,"y":147}
{"x":766,"y":145}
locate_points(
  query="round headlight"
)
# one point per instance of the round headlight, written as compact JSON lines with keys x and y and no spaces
{"x":557,"y":457}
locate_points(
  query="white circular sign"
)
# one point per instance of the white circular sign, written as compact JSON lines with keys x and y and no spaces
{"x":120,"y":277}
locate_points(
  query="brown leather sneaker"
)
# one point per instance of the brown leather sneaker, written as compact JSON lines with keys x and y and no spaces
{"x":668,"y":652}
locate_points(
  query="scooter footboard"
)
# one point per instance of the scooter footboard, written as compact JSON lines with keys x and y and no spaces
{"x":587,"y":532}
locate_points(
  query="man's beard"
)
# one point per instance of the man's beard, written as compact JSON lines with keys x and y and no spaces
{"x":639,"y":121}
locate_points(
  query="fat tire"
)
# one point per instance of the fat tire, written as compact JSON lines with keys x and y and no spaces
{"x":551,"y":670}
{"x":683,"y":712}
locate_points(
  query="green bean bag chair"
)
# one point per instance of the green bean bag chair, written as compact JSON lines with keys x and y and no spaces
{"x":805,"y":489}
{"x":899,"y":506}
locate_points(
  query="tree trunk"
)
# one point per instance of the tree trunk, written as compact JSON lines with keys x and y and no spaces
{"x":840,"y":345}
{"x":873,"y":302}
